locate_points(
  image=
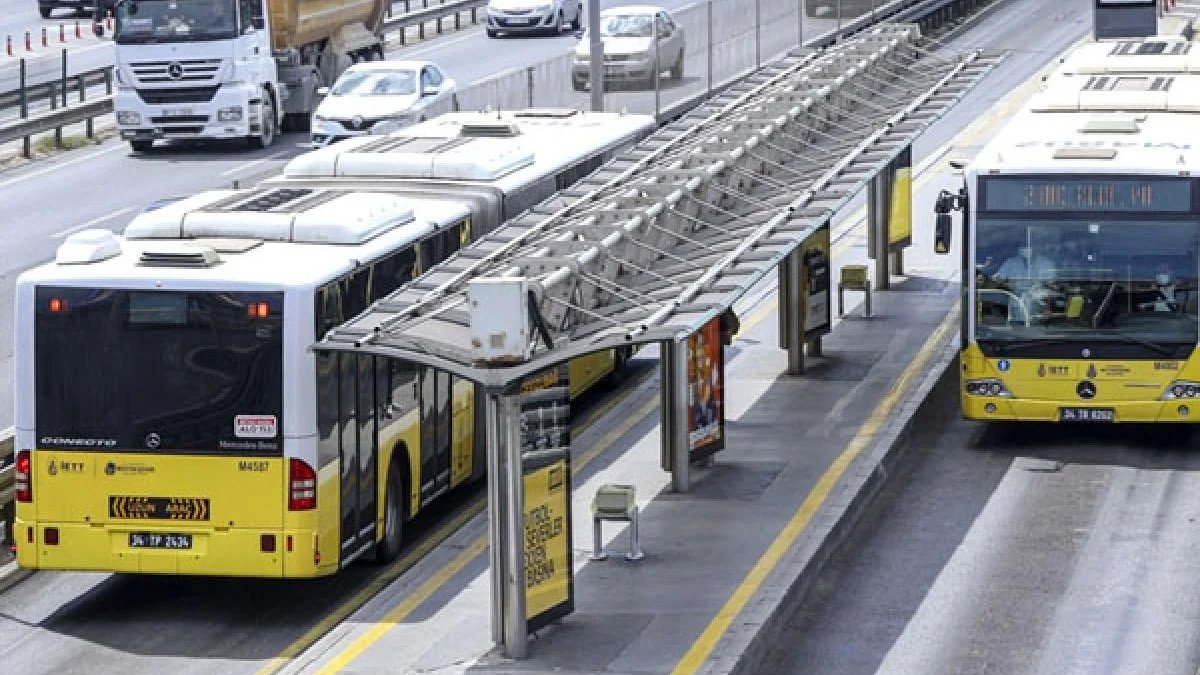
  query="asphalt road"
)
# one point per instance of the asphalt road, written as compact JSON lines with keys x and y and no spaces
{"x":105,"y":185}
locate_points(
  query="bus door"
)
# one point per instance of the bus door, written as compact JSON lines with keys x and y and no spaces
{"x":357,"y":412}
{"x":436,"y":429}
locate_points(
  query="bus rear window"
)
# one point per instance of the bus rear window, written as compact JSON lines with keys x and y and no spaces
{"x":159,"y":371}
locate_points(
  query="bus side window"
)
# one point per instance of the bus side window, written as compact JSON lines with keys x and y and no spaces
{"x":402,"y":399}
{"x":392,"y":272}
{"x":464,"y":233}
{"x":329,"y":308}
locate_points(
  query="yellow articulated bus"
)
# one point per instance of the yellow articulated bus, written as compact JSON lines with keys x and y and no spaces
{"x":171,"y":417}
{"x":1081,"y":246}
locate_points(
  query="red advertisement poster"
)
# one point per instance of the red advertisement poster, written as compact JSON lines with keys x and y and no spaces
{"x":706,"y":391}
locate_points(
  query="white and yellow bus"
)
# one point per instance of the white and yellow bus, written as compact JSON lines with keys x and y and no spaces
{"x":1081,"y":249}
{"x":171,"y":417}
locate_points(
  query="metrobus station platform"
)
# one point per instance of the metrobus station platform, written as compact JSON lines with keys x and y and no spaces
{"x":803,"y":454}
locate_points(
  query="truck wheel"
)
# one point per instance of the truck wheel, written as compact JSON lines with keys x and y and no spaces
{"x":266,"y":134}
{"x":141,"y":145}
{"x":393,"y":519}
{"x":490,"y":32}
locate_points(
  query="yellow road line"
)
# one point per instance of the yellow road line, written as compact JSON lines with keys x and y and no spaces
{"x":400,"y":612}
{"x":397,"y":568}
{"x":696,"y":655}
{"x":475,"y":548}
{"x":311,"y":636}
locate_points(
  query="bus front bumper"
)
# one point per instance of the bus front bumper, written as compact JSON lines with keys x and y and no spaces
{"x":995,"y":409}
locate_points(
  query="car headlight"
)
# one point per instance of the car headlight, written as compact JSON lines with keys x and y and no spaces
{"x":988,"y":387}
{"x":230,"y":114}
{"x":128,"y":117}
{"x":1181,"y":389}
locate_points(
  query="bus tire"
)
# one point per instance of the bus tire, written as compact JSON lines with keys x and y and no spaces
{"x":388,"y":546}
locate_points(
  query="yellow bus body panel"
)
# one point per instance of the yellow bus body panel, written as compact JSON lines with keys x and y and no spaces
{"x":96,"y":500}
{"x":1040,"y":388}
{"x":585,"y":371}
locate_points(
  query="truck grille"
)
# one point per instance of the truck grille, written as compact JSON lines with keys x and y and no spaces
{"x":181,"y":95}
{"x":159,"y":72}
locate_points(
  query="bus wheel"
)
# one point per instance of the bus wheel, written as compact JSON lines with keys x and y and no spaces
{"x":393,"y":520}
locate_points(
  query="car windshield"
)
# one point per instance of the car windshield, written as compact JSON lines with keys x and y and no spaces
{"x":627,"y":25}
{"x":376,"y":83}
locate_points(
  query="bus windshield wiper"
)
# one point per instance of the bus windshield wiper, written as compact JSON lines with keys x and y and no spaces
{"x":1008,"y":346}
{"x":1152,"y":346}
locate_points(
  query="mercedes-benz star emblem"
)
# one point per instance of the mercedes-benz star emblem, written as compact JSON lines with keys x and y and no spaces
{"x":153,"y":440}
{"x":1086,"y":389}
{"x":174,"y":70}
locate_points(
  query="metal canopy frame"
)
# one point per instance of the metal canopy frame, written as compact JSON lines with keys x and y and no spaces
{"x":666,"y":237}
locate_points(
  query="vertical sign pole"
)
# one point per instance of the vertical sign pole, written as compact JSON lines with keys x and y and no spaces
{"x":657,"y":70}
{"x":710,"y":47}
{"x":675,"y":411}
{"x":794,"y":313}
{"x":515,"y":636}
{"x":882,"y":186}
{"x":495,"y":496}
{"x":596,"y":52}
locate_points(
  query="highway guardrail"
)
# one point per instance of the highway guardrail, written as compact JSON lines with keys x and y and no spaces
{"x":899,"y":10}
{"x":85,"y":111}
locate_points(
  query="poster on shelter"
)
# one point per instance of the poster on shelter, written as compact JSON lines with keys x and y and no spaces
{"x":900,"y":209}
{"x":706,"y":391}
{"x":815,"y":257}
{"x":546,"y":470}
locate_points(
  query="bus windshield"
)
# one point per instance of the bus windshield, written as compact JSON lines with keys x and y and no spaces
{"x":159,"y":371}
{"x":152,"y":21}
{"x":1087,"y":278}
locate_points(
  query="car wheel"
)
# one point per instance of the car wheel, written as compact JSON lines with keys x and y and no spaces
{"x":578,"y":22}
{"x":141,"y":144}
{"x":44,"y":11}
{"x":266,"y":134}
{"x":677,"y":68}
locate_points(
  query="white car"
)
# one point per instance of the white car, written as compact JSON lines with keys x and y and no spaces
{"x":529,"y":16}
{"x":380,"y":96}
{"x":627,"y":36}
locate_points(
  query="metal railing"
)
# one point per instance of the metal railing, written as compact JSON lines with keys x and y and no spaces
{"x":936,"y":11}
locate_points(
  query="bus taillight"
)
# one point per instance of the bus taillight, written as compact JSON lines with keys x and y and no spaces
{"x":302,"y":494}
{"x":23,"y":481}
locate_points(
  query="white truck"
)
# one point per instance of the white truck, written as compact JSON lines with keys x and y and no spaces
{"x":219,"y":69}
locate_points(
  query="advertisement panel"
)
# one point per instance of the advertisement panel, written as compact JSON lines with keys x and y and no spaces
{"x":546,"y":471}
{"x":706,"y":391}
{"x":900,"y":209}
{"x":815,"y":278}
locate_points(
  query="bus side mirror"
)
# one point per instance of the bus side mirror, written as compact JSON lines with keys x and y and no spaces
{"x":943,"y":228}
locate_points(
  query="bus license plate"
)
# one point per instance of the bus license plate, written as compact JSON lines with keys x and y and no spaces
{"x":159,"y":540}
{"x":1086,"y":415}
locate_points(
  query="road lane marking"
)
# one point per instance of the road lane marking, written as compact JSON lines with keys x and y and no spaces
{"x":55,"y":167}
{"x":700,"y":650}
{"x":94,"y":221}
{"x":399,"y":567}
{"x":253,"y":163}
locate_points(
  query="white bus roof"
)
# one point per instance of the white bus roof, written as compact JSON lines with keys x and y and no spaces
{"x":506,"y":149}
{"x":1105,"y":117}
{"x":1087,"y":142}
{"x":226,"y":238}
{"x":1128,"y":92}
{"x":1160,"y":54}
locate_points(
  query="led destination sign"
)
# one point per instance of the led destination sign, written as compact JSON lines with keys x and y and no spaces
{"x":1021,"y":193}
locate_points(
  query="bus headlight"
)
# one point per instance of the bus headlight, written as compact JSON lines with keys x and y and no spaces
{"x":1181,"y":389}
{"x":988,"y":387}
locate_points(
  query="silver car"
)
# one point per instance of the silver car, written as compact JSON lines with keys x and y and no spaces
{"x":627,"y":35}
{"x":530,"y":16}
